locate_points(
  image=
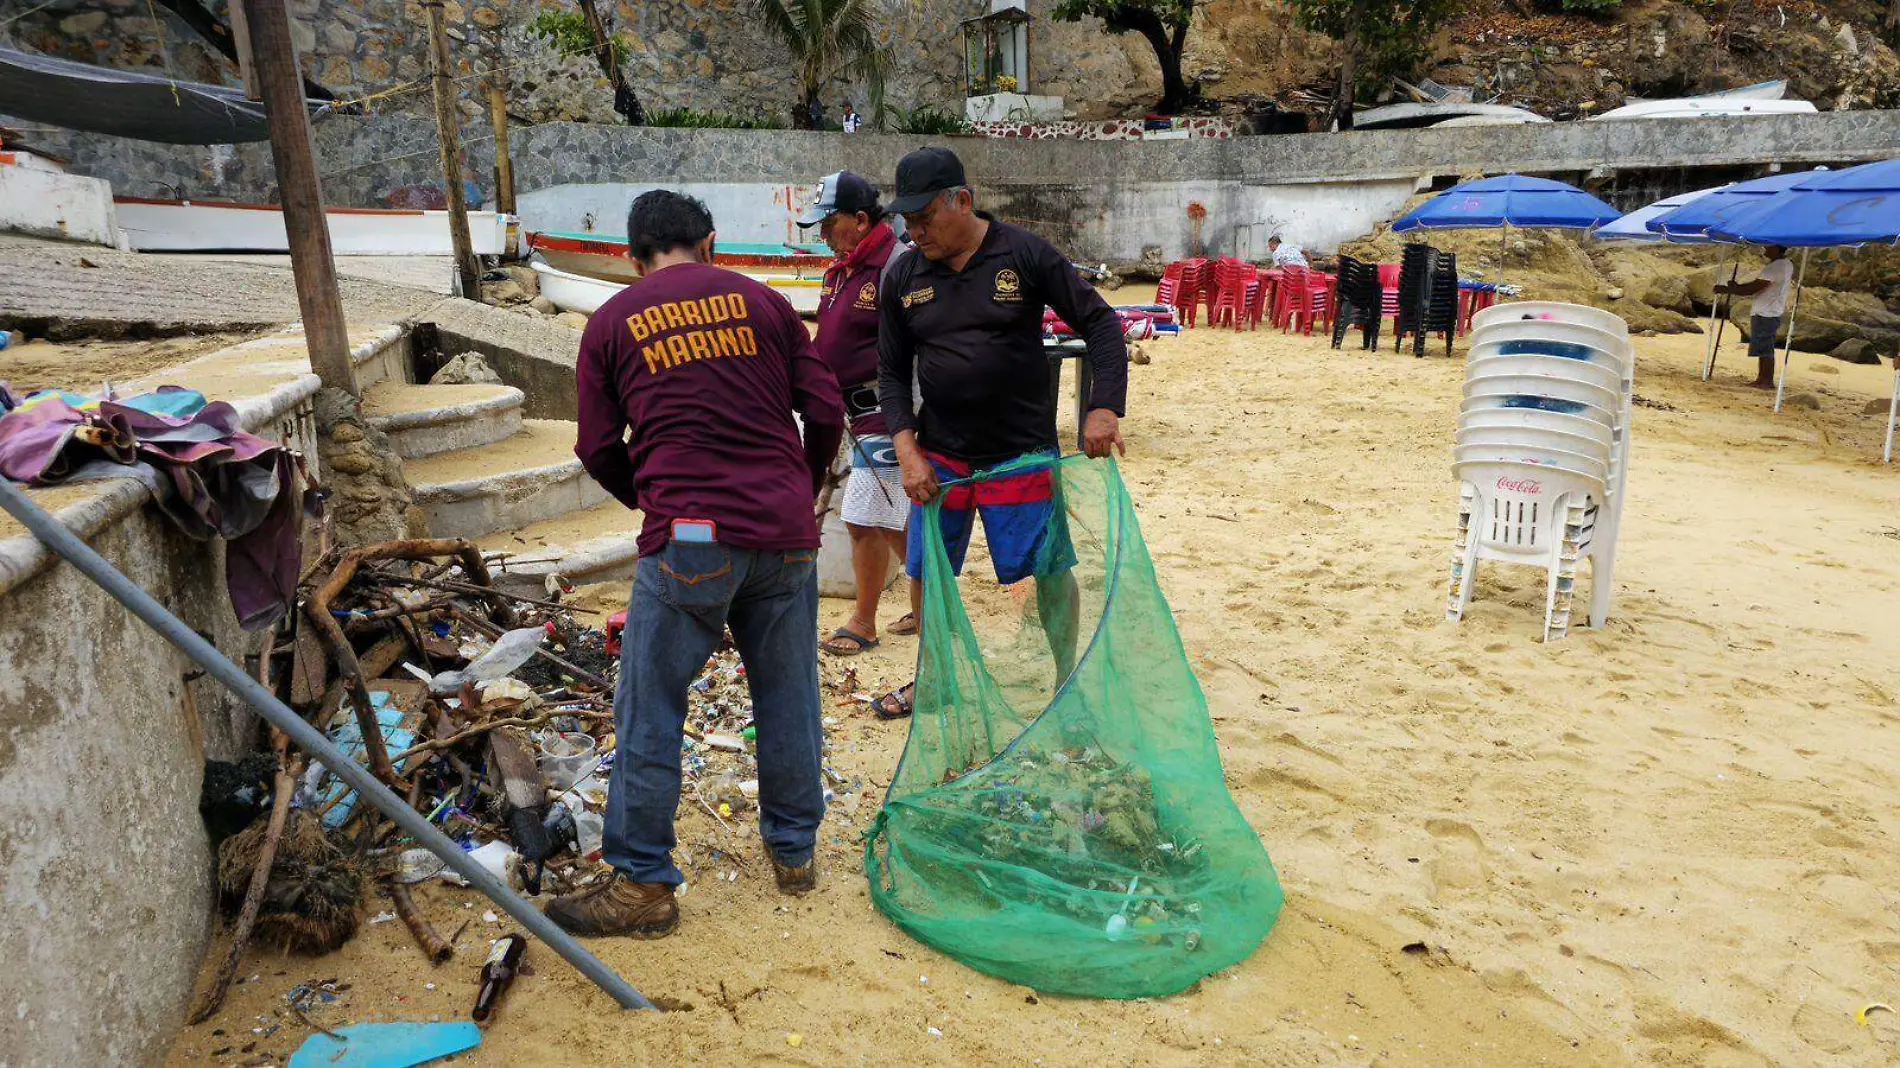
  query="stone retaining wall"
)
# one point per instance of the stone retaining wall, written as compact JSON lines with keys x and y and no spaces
{"x":1065,"y":188}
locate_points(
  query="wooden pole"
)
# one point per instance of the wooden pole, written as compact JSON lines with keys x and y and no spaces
{"x":448,"y":122}
{"x":293,"y":155}
{"x":504,"y":163}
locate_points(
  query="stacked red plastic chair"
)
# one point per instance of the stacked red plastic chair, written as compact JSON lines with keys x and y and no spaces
{"x":1228,"y":301}
{"x":1194,"y":282}
{"x":1306,"y":297}
{"x":1389,"y":290}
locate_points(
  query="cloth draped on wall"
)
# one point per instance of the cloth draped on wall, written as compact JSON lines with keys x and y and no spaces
{"x":209,"y":476}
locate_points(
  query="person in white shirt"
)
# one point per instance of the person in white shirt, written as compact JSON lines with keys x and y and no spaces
{"x":851,"y":119}
{"x":1285,"y":255}
{"x":1770,"y":290}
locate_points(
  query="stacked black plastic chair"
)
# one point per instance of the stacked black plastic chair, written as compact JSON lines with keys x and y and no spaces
{"x":1359,"y":301}
{"x":1428,"y":297}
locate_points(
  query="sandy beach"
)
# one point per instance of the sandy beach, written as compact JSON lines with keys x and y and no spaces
{"x":1668,"y":841}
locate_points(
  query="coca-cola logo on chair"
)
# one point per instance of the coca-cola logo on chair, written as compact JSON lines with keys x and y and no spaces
{"x":1520,"y":485}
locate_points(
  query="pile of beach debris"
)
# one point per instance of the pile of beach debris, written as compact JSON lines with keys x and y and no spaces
{"x":490,"y":712}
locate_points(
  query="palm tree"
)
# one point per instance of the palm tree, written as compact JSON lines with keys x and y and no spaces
{"x":828,"y":39}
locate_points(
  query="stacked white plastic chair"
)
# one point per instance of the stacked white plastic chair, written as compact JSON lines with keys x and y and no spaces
{"x":1543,"y":450}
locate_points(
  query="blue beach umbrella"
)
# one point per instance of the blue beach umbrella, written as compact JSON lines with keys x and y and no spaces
{"x":1857,"y":206}
{"x":1635,"y":225}
{"x":1692,"y":221}
{"x":1508,"y":200}
{"x":1829,"y":209}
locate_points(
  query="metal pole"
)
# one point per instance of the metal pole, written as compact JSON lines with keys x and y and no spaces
{"x":1794,"y":309}
{"x":1893,"y":409}
{"x":448,"y":122}
{"x":295,"y":161}
{"x":76,"y":552}
{"x":1718,"y":318}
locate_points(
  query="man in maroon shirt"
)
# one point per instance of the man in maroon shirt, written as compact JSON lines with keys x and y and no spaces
{"x":875,"y":508}
{"x":688,"y":383}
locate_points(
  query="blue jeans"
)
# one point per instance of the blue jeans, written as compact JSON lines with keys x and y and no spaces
{"x":683,"y":598}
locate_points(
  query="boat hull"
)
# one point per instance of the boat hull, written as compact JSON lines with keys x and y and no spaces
{"x":580,"y":293}
{"x":202,"y":226}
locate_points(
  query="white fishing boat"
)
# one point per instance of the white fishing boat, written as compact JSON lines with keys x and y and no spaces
{"x":1410,"y":116}
{"x":1769,"y":90}
{"x":1704,"y":107}
{"x":151,"y":225}
{"x":578,"y":292}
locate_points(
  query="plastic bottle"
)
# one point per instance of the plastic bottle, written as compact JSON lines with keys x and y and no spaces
{"x":504,"y":960}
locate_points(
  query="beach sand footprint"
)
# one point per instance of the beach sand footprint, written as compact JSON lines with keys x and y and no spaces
{"x":1457,"y":862}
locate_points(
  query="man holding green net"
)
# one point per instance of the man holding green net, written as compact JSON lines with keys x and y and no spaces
{"x":963,"y":314}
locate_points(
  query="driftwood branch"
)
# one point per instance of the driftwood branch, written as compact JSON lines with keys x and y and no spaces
{"x":431,"y":943}
{"x":286,"y":784}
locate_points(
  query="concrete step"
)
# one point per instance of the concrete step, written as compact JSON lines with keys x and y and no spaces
{"x":423,"y":421}
{"x":595,"y":545}
{"x":513,"y":483}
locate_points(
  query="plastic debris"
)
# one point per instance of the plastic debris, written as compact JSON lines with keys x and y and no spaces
{"x":386,"y":1045}
{"x":509,"y":652}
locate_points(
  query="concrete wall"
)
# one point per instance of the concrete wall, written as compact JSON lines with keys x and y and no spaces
{"x":47,"y":203}
{"x":534,"y":355}
{"x":1069,"y":190}
{"x":105,"y":873}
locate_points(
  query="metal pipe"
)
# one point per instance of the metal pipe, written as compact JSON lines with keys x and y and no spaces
{"x":1893,"y":409}
{"x":95,"y":567}
{"x":1718,"y":318}
{"x":1794,"y":311}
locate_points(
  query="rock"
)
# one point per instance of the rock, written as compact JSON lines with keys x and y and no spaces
{"x":1670,"y":292}
{"x":1855,"y":350}
{"x":504,"y":293}
{"x":543,"y":305}
{"x":1877,"y":406}
{"x":572,"y":318}
{"x":347,"y":433}
{"x":1802,"y":400}
{"x":1139,"y":355}
{"x":467,"y":369}
{"x":1613,"y":293}
{"x":524,"y":277}
{"x":350,"y":463}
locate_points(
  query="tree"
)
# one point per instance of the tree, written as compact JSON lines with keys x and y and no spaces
{"x":1163,"y":22}
{"x":1387,"y":31}
{"x":573,"y":34}
{"x":828,"y":39}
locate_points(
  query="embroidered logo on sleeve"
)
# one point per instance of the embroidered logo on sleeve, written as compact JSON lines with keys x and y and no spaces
{"x":1009,"y":287}
{"x":920,"y":296}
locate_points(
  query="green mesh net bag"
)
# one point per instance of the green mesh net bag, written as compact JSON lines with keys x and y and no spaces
{"x":1059,"y":818}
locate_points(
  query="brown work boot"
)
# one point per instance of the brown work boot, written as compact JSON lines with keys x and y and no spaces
{"x":800,"y":880}
{"x":616,"y":905}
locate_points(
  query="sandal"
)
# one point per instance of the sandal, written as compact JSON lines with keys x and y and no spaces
{"x":897,"y":704}
{"x":905,"y":626}
{"x":845,"y":642}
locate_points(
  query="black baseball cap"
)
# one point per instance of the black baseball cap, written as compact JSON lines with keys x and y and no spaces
{"x":838,"y":192}
{"x":922,"y":175}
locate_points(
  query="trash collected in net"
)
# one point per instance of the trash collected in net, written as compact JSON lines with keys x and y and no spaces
{"x":1066,"y":827}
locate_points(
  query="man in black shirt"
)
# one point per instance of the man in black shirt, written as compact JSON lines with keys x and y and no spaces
{"x":963,"y":313}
